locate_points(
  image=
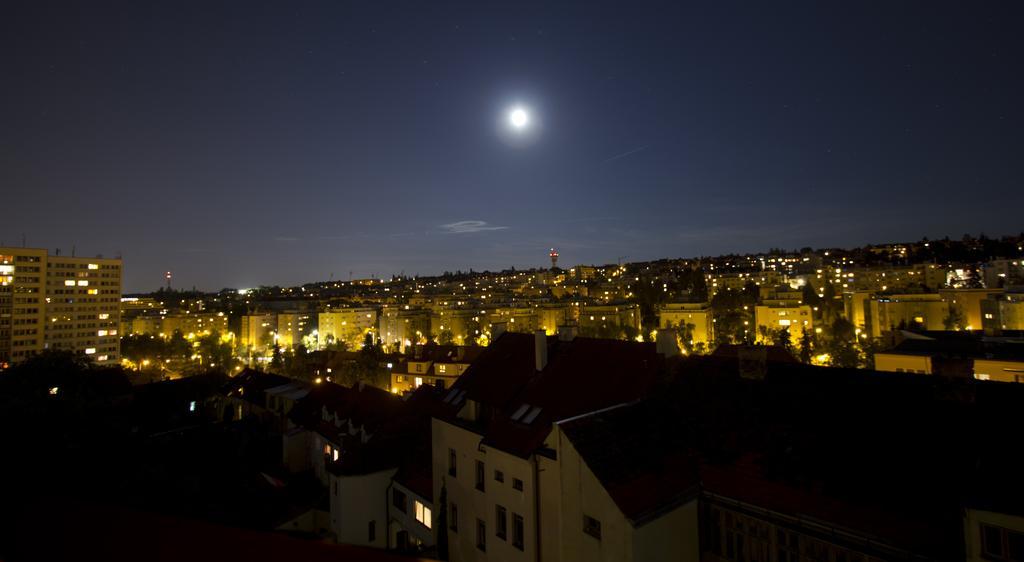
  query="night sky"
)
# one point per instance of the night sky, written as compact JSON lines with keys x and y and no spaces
{"x":251,"y":143}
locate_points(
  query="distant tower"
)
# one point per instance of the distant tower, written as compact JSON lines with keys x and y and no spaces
{"x":554,"y":258}
{"x":168,"y":277}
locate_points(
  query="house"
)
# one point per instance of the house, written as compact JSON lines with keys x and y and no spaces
{"x":245,"y":394}
{"x":494,"y":465}
{"x":624,"y":489}
{"x":436,"y":365}
{"x":370,"y":450}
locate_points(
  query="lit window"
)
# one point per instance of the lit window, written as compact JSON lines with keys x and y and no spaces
{"x":785,"y":322}
{"x":192,"y":406}
{"x":83,"y":283}
{"x":419,"y":381}
{"x":69,"y":282}
{"x":94,"y":266}
{"x":101,"y":333}
{"x":423,"y":514}
{"x":90,"y":350}
{"x":104,"y":316}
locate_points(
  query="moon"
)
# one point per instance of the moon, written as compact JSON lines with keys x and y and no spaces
{"x":519,"y":118}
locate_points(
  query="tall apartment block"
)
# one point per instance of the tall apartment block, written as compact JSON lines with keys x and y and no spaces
{"x":60,"y":303}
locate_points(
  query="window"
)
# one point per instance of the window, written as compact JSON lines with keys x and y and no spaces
{"x":398,"y":500}
{"x":480,"y":475}
{"x":371,"y":531}
{"x":452,"y":471}
{"x":481,"y":535}
{"x":517,"y":484}
{"x":517,"y":531}
{"x":453,"y":517}
{"x":592,"y":527}
{"x":1002,"y":545}
{"x":422,"y":514}
{"x":499,"y":476}
{"x":500,"y":522}
{"x":419,"y":382}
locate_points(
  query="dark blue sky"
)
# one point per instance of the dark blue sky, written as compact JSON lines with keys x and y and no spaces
{"x":253,"y":143}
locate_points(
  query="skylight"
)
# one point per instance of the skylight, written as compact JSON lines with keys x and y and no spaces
{"x":532,"y":415}
{"x":519,"y":413}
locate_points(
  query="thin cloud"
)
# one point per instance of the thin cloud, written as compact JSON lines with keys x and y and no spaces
{"x":625,"y":154}
{"x":463,"y":227}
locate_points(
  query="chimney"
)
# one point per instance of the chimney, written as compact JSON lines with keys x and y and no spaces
{"x":666,"y":343}
{"x":540,"y":349}
{"x":497,"y":328}
{"x":567,"y":333}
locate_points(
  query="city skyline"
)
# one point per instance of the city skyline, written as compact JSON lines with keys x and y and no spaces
{"x":218,"y":141}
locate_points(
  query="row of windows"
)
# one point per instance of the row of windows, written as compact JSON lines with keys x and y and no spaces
{"x":499,"y":476}
{"x":500,"y":527}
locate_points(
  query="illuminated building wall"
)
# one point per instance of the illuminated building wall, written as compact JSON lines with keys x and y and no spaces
{"x":551,"y":316}
{"x":600,"y":319}
{"x":968,"y":301}
{"x":258,"y":331}
{"x":57,"y":302}
{"x":888,"y":312}
{"x":347,"y":325}
{"x":678,"y":315}
{"x":402,"y":327}
{"x":1003,"y":312}
{"x":292,"y":327}
{"x":796,"y":317}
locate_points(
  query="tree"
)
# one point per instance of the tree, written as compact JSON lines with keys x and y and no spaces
{"x":841,"y":346}
{"x":684,"y":335}
{"x":277,"y":360}
{"x":955,"y":319}
{"x":806,"y":347}
{"x":215,"y":352}
{"x":783,"y":339}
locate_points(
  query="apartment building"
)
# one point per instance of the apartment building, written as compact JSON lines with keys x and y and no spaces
{"x":60,"y":303}
{"x":164,"y":323}
{"x":681,"y":315}
{"x":294,"y":327}
{"x":956,"y":355}
{"x":777,"y":315}
{"x":401,"y":327}
{"x":888,"y":312}
{"x":346,"y":325}
{"x":258,"y":331}
{"x":609,"y":320}
{"x":1003,"y":312}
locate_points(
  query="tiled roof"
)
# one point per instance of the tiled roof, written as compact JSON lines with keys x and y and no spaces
{"x":641,"y":460}
{"x":581,"y":375}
